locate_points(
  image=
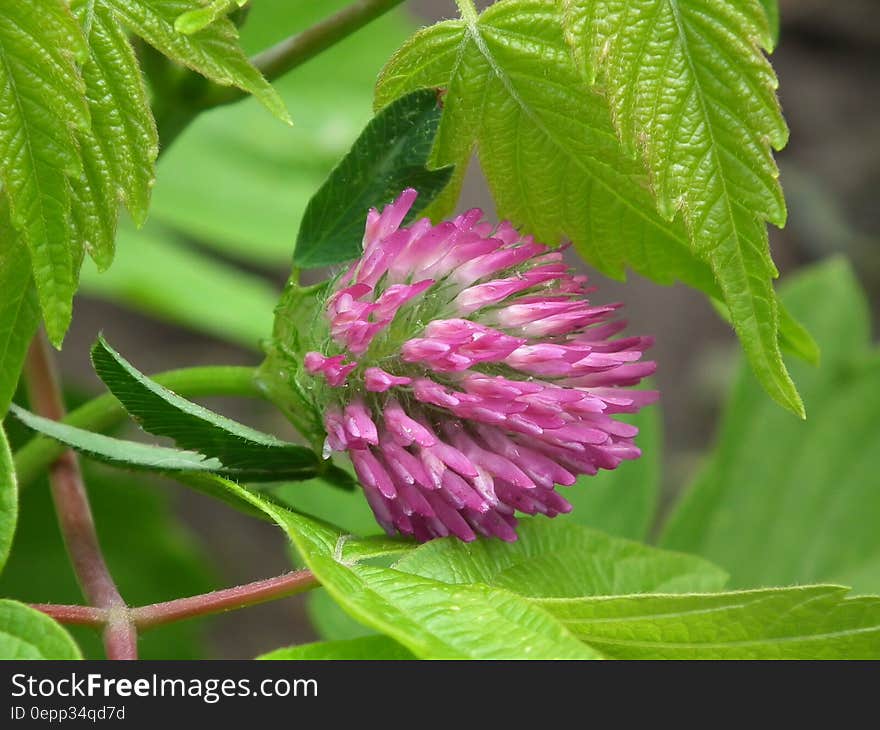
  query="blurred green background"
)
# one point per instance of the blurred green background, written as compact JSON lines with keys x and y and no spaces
{"x":198,"y":283}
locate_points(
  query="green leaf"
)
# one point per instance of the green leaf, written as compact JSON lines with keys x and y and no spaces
{"x":254,"y":455}
{"x":431,"y":619}
{"x":129,"y":513}
{"x":771,"y":9}
{"x":809,"y":622}
{"x":145,"y":457}
{"x":555,"y":165}
{"x":623,"y":502}
{"x":366,"y":647}
{"x":42,"y":97}
{"x":192,"y":21}
{"x":8,"y":499}
{"x":390,"y":155}
{"x":19,"y":309}
{"x":213,"y":51}
{"x":29,"y":634}
{"x":161,"y":275}
{"x":330,"y":621}
{"x":691,"y":91}
{"x":563,"y":560}
{"x":238,"y":181}
{"x":783,"y":501}
{"x":119,"y":151}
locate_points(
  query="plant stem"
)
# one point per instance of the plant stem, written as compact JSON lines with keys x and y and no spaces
{"x":159,"y":614}
{"x":272,"y":63}
{"x":105,"y":411}
{"x":73,"y":510}
{"x":468,"y":10}
{"x":250,"y":594}
{"x":74,"y":615}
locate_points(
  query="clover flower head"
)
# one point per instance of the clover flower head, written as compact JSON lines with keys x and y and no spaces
{"x":466,"y":375}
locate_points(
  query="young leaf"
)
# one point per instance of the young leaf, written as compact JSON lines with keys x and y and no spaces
{"x":783,"y":501}
{"x":555,"y":165}
{"x":771,"y":8}
{"x":390,"y":155}
{"x":431,"y":619}
{"x":28,"y":634}
{"x":119,"y":151}
{"x":213,"y":51}
{"x":192,"y":21}
{"x":41,"y":95}
{"x":8,"y":499}
{"x":19,"y":309}
{"x":365,"y":647}
{"x":691,"y":90}
{"x":239,"y":449}
{"x":808,"y":622}
{"x":563,"y":559}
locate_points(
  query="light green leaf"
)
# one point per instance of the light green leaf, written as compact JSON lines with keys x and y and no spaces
{"x":555,"y":165}
{"x":42,"y":98}
{"x":119,"y":151}
{"x":563,"y":559}
{"x":691,"y":91}
{"x":19,"y":309}
{"x":158,"y":274}
{"x":213,"y":51}
{"x":366,"y":647}
{"x":809,"y":622}
{"x":253,"y":455}
{"x":8,"y":499}
{"x":388,"y":156}
{"x":782,"y":501}
{"x":192,"y":21}
{"x":623,"y":501}
{"x":431,"y":619}
{"x":771,"y":8}
{"x":29,"y":634}
{"x":330,"y":621}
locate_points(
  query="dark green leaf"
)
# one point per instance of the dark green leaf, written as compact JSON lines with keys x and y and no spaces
{"x":255,"y":456}
{"x":391,"y":154}
{"x":29,"y":634}
{"x":783,"y":501}
{"x":366,"y":647}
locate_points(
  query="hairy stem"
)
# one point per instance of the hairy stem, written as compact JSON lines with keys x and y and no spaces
{"x":73,"y":510}
{"x":176,"y":114}
{"x":250,"y":594}
{"x":468,"y":10}
{"x":74,"y":615}
{"x":105,"y":411}
{"x":159,"y":614}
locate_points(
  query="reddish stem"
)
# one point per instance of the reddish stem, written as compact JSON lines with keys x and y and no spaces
{"x":249,"y":594}
{"x":73,"y":510}
{"x":74,"y":615}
